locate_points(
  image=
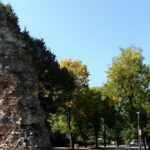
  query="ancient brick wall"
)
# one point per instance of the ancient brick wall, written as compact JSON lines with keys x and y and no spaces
{"x":21,"y":117}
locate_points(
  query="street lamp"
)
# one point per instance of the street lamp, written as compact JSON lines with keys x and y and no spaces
{"x":139,"y":130}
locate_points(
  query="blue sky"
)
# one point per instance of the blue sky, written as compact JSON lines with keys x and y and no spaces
{"x":89,"y":30}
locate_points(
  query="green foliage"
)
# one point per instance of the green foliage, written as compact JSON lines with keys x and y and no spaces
{"x":54,"y":83}
{"x":128,"y":86}
{"x":6,"y":12}
{"x":96,"y":112}
{"x":110,"y":110}
{"x":129,"y":78}
{"x":76,"y":107}
{"x":58,"y":123}
{"x":77,"y":70}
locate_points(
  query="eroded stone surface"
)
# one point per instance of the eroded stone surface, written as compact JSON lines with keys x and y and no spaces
{"x":21,"y":117}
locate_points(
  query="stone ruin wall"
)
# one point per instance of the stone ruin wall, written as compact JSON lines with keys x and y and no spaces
{"x":21,"y":117}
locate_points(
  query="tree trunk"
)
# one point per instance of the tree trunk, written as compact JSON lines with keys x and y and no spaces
{"x":104,"y":135}
{"x":148,"y":141}
{"x":143,"y":138}
{"x":84,"y":140}
{"x":117,"y":141}
{"x":69,"y":128}
{"x":96,"y":141}
{"x":96,"y":136}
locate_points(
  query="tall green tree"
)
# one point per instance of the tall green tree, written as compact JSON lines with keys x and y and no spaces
{"x":96,"y":112}
{"x":79,"y":72}
{"x":107,"y":112}
{"x":54,"y":83}
{"x":129,"y":78}
{"x":82,"y":114}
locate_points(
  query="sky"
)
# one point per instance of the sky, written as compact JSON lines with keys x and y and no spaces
{"x":89,"y":30}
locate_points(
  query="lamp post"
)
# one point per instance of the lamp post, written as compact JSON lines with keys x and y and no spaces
{"x":139,"y":130}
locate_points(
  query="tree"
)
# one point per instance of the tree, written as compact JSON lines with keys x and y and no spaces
{"x":86,"y":112}
{"x":107,"y":111}
{"x":54,"y":83}
{"x":129,"y":78}
{"x":96,"y":112}
{"x":79,"y":72}
{"x":82,"y":114}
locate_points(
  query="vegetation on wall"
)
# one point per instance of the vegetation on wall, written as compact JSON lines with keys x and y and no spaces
{"x":8,"y":14}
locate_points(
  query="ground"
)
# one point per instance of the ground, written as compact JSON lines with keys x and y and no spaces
{"x":122,"y":147}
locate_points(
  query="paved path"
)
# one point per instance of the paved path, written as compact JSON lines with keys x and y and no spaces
{"x":102,"y":148}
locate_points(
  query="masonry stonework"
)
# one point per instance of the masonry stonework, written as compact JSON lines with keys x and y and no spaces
{"x":21,"y":116}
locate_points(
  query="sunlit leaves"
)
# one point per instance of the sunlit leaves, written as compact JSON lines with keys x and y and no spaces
{"x":128,"y":75}
{"x":77,"y":70}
